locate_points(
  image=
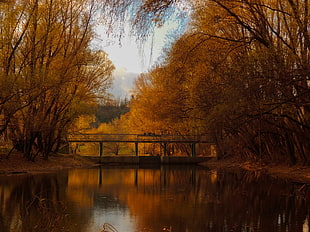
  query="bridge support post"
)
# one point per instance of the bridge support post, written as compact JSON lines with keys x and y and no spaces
{"x":193,"y":146}
{"x":100,"y":149}
{"x":136,"y":149}
{"x":165,"y":149}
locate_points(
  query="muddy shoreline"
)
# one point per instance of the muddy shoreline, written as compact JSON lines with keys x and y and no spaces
{"x":16,"y":164}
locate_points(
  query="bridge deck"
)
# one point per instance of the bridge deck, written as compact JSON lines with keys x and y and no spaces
{"x":138,"y":138}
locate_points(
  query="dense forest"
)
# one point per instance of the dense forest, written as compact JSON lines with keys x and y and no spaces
{"x":111,"y":110}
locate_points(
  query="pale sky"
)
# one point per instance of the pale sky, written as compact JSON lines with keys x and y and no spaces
{"x":128,"y":55}
{"x":128,"y":59}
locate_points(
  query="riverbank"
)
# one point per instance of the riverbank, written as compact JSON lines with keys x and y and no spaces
{"x":296,"y":173}
{"x":16,"y":164}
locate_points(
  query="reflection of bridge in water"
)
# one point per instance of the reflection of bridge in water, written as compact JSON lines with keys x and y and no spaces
{"x":193,"y":140}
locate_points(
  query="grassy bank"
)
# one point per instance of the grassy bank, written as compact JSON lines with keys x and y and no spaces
{"x":16,"y":164}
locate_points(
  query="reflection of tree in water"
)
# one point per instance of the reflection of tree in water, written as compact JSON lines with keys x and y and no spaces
{"x":32,"y":204}
{"x":186,"y":199}
{"x":36,"y":204}
{"x":200,"y":200}
{"x":259,"y":203}
{"x":245,"y":202}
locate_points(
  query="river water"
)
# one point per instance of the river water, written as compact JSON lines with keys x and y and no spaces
{"x":179,"y":199}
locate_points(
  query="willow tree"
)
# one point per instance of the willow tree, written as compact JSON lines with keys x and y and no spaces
{"x":54,"y":75}
{"x":249,"y":79}
{"x":272,"y":70}
{"x":13,"y":28}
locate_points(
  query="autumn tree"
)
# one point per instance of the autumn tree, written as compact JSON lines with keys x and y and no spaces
{"x":54,"y":75}
{"x":243,"y":72}
{"x":270,"y":70}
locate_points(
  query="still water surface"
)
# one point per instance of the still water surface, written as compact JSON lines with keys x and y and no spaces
{"x":184,"y":199}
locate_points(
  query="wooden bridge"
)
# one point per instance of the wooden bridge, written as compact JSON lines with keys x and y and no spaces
{"x":140,"y":138}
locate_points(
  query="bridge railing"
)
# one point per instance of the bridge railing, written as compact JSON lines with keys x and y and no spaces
{"x":171,"y":138}
{"x":136,"y":138}
{"x":102,"y":137}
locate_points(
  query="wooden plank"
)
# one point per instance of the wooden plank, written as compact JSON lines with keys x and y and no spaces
{"x":136,"y":138}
